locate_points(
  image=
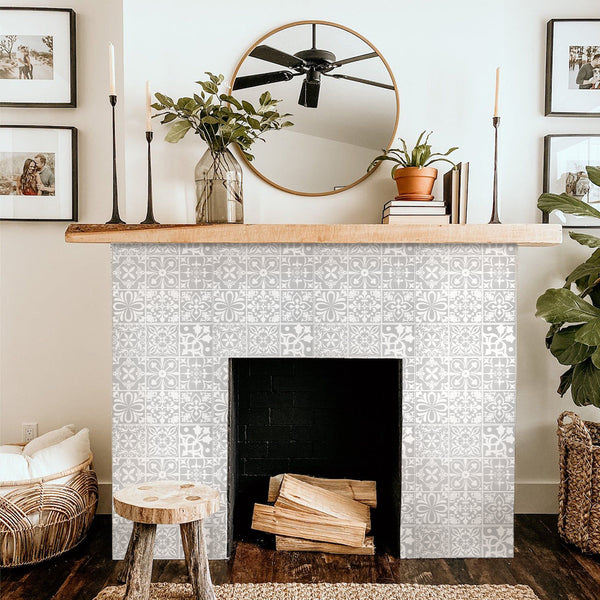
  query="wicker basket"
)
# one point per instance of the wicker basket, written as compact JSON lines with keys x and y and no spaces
{"x":40,"y":519}
{"x":579,"y":492}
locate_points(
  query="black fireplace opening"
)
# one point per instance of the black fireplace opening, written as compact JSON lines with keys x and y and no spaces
{"x":335,"y":418}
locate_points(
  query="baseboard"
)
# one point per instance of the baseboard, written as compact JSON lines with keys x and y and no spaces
{"x":104,"y":498}
{"x":536,"y":498}
{"x":530,"y":498}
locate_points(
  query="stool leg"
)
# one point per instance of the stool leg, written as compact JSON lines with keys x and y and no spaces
{"x":126,"y":567}
{"x":192,"y":538}
{"x":140,"y":571}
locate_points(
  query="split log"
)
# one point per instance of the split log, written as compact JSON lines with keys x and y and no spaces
{"x":300,"y":545}
{"x":322,"y":528}
{"x":364,"y":492}
{"x":297,"y":495}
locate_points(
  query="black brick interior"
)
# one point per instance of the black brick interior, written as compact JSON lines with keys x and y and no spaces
{"x":321,"y":417}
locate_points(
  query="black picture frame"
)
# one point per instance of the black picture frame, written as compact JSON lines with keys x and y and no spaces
{"x":547,"y":174}
{"x":72,"y":102}
{"x":74,"y":187}
{"x":550,"y":40}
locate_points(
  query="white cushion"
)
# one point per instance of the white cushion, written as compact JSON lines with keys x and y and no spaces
{"x":60,"y":457}
{"x":49,"y":439}
{"x":11,"y":449}
{"x":13,"y":467}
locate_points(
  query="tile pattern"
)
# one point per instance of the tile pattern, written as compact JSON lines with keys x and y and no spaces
{"x":180,"y":311}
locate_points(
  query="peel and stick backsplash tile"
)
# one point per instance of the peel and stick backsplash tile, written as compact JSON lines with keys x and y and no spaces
{"x":180,"y":311}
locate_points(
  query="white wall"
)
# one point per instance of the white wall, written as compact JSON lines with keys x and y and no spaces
{"x":55,"y":299}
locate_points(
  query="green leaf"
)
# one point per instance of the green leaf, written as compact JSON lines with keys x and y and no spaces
{"x":208,"y":86}
{"x":563,"y":306}
{"x":596,"y":358}
{"x":551,"y":333}
{"x":594,"y":174}
{"x":567,"y":204}
{"x":265,"y":99}
{"x":565,"y":381}
{"x":231,"y":100}
{"x":165,"y":100}
{"x":177,"y":131}
{"x":585,"y":386}
{"x":287,"y":124}
{"x":590,"y":268}
{"x":589,"y":334}
{"x":253,"y":123}
{"x":168,"y":118}
{"x":567,"y":349}
{"x":210,"y":120}
{"x":248,"y":107}
{"x":585,"y":240}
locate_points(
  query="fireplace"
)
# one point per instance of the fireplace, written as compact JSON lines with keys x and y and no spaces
{"x":183,"y":312}
{"x":333,"y":418}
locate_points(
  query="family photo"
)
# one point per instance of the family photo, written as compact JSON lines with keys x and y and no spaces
{"x":27,"y":174}
{"x":584,"y":67}
{"x":26,"y":57}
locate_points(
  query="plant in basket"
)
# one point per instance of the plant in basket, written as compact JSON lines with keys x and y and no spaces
{"x":573,"y":312}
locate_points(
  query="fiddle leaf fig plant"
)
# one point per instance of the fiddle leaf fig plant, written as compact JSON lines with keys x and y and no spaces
{"x":420,"y":156}
{"x":573,"y":311}
{"x":219,"y":118}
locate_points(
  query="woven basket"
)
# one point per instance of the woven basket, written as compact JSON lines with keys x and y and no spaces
{"x":579,"y":492}
{"x":40,"y":519}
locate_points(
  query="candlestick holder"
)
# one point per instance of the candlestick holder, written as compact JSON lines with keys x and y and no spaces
{"x":149,"y":220}
{"x":115,"y":219}
{"x":494,"y":219}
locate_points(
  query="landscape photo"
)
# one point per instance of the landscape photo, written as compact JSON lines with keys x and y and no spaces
{"x":27,"y":57}
{"x":27,"y":173}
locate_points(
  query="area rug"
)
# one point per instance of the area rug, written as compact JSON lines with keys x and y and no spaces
{"x":334,"y":591}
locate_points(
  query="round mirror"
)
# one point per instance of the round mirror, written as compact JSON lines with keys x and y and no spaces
{"x":342,"y":98}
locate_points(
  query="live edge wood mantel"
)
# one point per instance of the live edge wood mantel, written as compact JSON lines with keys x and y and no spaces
{"x":519,"y":234}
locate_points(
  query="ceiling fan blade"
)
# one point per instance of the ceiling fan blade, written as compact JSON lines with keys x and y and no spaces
{"x":359,"y":80}
{"x":345,"y":61}
{"x":248,"y":81}
{"x":309,"y":94}
{"x":278,"y":57}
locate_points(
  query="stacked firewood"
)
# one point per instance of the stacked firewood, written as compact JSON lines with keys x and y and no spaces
{"x":310,"y":514}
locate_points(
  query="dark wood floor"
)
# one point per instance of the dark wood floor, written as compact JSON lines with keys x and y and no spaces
{"x":554,"y":570}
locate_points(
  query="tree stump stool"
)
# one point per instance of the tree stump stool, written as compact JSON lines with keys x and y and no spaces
{"x":166,"y":502}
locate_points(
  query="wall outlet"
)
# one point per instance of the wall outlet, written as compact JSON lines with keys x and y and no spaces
{"x":29,"y":431}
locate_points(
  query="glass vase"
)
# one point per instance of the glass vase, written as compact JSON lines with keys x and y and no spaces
{"x":219,"y":188}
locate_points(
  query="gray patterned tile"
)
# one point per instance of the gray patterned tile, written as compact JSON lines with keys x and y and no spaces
{"x":448,"y":311}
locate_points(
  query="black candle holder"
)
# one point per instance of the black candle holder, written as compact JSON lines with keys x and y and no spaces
{"x":495,"y":219}
{"x":115,"y":219}
{"x":149,"y":220}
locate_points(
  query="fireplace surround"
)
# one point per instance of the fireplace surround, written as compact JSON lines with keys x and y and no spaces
{"x":182,"y":311}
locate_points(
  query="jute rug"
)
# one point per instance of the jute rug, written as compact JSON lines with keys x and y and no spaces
{"x":334,"y":591}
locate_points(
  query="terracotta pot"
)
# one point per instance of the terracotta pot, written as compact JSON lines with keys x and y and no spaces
{"x":415,"y":180}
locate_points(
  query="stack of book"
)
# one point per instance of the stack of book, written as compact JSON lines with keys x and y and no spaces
{"x":456,"y":192}
{"x":421,"y":209}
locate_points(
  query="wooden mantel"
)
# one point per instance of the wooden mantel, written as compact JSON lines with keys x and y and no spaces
{"x":521,"y":234}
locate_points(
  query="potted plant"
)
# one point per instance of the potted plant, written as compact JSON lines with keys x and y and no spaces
{"x":220,"y":120}
{"x":573,"y":312}
{"x":411,"y":170}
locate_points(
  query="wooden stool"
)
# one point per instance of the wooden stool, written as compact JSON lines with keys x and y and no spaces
{"x":166,"y":502}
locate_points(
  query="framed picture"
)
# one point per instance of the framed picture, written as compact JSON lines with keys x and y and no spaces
{"x":565,"y":160}
{"x":38,"y":173}
{"x":573,"y":68}
{"x":37,"y":57}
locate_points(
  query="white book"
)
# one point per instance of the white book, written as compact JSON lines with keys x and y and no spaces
{"x":417,"y":220}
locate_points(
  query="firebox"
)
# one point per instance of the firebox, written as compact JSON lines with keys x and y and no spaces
{"x":334,"y":418}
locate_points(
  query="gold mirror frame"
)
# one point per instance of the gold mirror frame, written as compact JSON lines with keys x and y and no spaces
{"x":389,"y":70}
